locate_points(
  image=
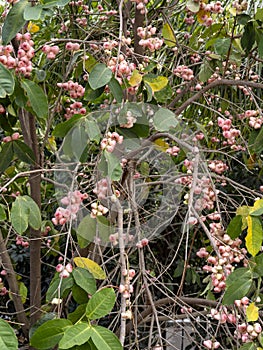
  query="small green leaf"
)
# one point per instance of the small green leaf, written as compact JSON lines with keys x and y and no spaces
{"x":8,"y":339}
{"x":78,"y":141}
{"x":62,"y":129}
{"x":23,"y":152}
{"x":84,"y":279}
{"x":105,"y":339}
{"x":168,"y":35}
{"x":257,"y":209}
{"x":79,"y":295}
{"x":2,"y":213}
{"x":6,"y":156}
{"x":99,"y":76}
{"x":116,"y":89}
{"x":222,"y":46}
{"x":248,"y":346}
{"x":49,"y":334}
{"x":238,"y":284}
{"x":37,"y":98}
{"x":193,"y":5}
{"x":234,"y":229}
{"x":254,"y":235}
{"x":22,"y":291}
{"x":164,"y":119}
{"x":14,"y":21}
{"x":58,"y":287}
{"x":114,"y":167}
{"x":77,"y":334}
{"x":101,"y":303}
{"x":7,"y":82}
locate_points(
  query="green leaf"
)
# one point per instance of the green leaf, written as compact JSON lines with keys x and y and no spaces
{"x":7,"y":82}
{"x":86,"y":231}
{"x":259,"y":264}
{"x":258,"y":144}
{"x":238,"y":284}
{"x":234,"y":229}
{"x":110,"y":166}
{"x":116,"y":89}
{"x":168,"y":35}
{"x":105,"y":339}
{"x":91,"y":266}
{"x":34,"y":213}
{"x":6,"y":156}
{"x":101,"y":303}
{"x":164,"y":119}
{"x":77,"y":334}
{"x":93,"y":130}
{"x":222,"y":46}
{"x":99,"y":76}
{"x":22,"y":291}
{"x":259,"y":15}
{"x":54,"y":3}
{"x":2,"y":213}
{"x":254,"y":235}
{"x":193,"y":5}
{"x":248,"y":346}
{"x":79,"y":313}
{"x":155,"y":83}
{"x":79,"y":295}
{"x":135,"y":78}
{"x":20,"y":214}
{"x":62,"y":129}
{"x":257,"y":209}
{"x":23,"y":152}
{"x":248,"y":37}
{"x":252,"y":312}
{"x":243,"y":18}
{"x":84,"y":279}
{"x":14,"y":21}
{"x":205,"y":71}
{"x":33,"y":13}
{"x":8,"y":339}
{"x":164,"y":95}
{"x":59,"y":287}
{"x":49,"y":334}
{"x":78,"y":141}
{"x":37,"y":98}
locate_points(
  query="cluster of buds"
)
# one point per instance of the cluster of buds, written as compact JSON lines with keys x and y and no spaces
{"x":22,"y":242}
{"x":75,"y":90}
{"x":141,"y":5}
{"x":240,"y":6}
{"x":184,"y":72}
{"x":50,"y":51}
{"x":206,"y":10}
{"x":254,"y":121}
{"x":13,"y":137}
{"x":223,"y":315}
{"x":173,"y":151}
{"x":211,"y":344}
{"x":101,"y":189}
{"x":230,"y":253}
{"x":74,"y":108}
{"x":109,"y":142}
{"x":124,"y":68}
{"x":98,"y":210}
{"x":147,"y":41}
{"x":110,"y":44}
{"x":72,"y":201}
{"x":24,"y":54}
{"x":248,"y":332}
{"x":65,"y":271}
{"x":218,"y":166}
{"x":142,"y":243}
{"x":72,"y":46}
{"x":130,"y":120}
{"x":126,"y":289}
{"x":229,"y":133}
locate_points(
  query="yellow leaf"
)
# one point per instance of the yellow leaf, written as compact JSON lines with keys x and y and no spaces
{"x":252,"y":312}
{"x":233,"y":11}
{"x":91,"y":266}
{"x":161,"y":145}
{"x":254,"y":235}
{"x":168,"y":35}
{"x":52,"y":145}
{"x":156,"y":84}
{"x":201,"y":14}
{"x":32,"y":27}
{"x":135,"y":78}
{"x":257,"y":208}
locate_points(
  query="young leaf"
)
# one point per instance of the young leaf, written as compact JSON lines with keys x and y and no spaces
{"x":252,"y":312}
{"x":164,"y":119}
{"x":6,"y":156}
{"x":84,"y":279}
{"x":7,"y":82}
{"x":101,"y":303}
{"x":49,"y":334}
{"x":91,"y":266}
{"x":105,"y":339}
{"x":77,"y":334}
{"x":254,"y":235}
{"x":99,"y":76}
{"x":37,"y":98}
{"x":8,"y":339}
{"x":168,"y":35}
{"x":2,"y":213}
{"x":14,"y":21}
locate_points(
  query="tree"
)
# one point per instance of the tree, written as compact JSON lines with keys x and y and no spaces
{"x":132,"y":140}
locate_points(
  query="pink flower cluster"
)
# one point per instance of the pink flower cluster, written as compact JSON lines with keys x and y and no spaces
{"x":74,"y":108}
{"x":229,"y":132}
{"x":75,"y":90}
{"x":223,"y":315}
{"x":240,"y":6}
{"x":125,"y":68}
{"x":109,"y":142}
{"x":254,"y":121}
{"x":173,"y":151}
{"x":101,"y":189}
{"x":72,"y":46}
{"x":247,"y":332}
{"x":22,"y":242}
{"x":218,"y":166}
{"x":50,"y":51}
{"x":98,"y":210}
{"x":13,"y":137}
{"x":184,"y":72}
{"x":147,"y":41}
{"x":207,"y":9}
{"x":65,"y":271}
{"x":211,"y":344}
{"x":140,"y":5}
{"x":142,"y":243}
{"x":73,"y":201}
{"x":126,"y":289}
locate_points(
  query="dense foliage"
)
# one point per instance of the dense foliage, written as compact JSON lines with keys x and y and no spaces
{"x":131,"y":174}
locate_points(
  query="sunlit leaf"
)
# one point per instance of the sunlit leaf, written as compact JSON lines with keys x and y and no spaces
{"x":252,"y":312}
{"x":91,"y":266}
{"x":254,"y":235}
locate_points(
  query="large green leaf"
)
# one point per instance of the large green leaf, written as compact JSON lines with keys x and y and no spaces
{"x":77,"y":334}
{"x":110,"y":166}
{"x":8,"y":339}
{"x":20,"y":214}
{"x":84,"y":279}
{"x":37,"y":98}
{"x":78,"y":314}
{"x":105,"y":339}
{"x":99,"y":76}
{"x":238,"y":284}
{"x":7,"y":82}
{"x":116,"y":89}
{"x":101,"y":303}
{"x":164,"y":119}
{"x":6,"y":156}
{"x":93,"y":130}
{"x":34,"y":213}
{"x":234,"y":229}
{"x":248,"y":37}
{"x":33,"y":13}
{"x":62,"y":129}
{"x":254,"y":235}
{"x":49,"y":334}
{"x":59,"y":287}
{"x":14,"y":21}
